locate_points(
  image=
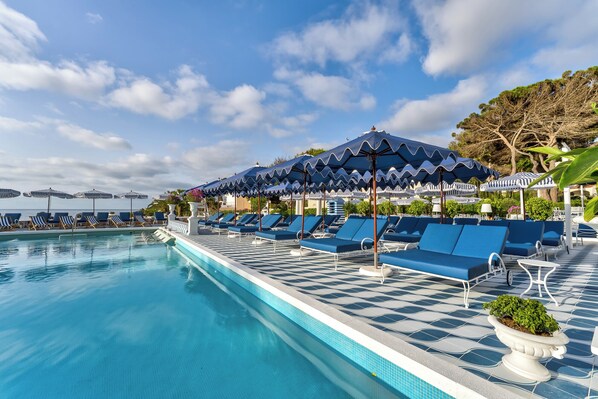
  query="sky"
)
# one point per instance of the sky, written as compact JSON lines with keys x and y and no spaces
{"x":152,"y":96}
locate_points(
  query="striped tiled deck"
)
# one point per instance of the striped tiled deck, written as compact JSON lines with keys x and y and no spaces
{"x":429,"y":313}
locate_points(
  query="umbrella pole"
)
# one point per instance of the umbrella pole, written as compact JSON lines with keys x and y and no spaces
{"x":48,"y":211}
{"x":375,"y":212}
{"x":303,"y":203}
{"x":324,"y":208}
{"x":522,"y":202}
{"x":581,"y":194}
{"x":441,"y":183}
{"x":235,"y":210}
{"x":291,"y":206}
{"x":131,"y":212}
{"x":93,"y":201}
{"x":259,"y":206}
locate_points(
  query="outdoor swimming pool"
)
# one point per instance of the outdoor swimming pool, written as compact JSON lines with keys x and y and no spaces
{"x":117,"y":316}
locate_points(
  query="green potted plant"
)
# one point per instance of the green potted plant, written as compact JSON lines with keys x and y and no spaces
{"x":529,"y":331}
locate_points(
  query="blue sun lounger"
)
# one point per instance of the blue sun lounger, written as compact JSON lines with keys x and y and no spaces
{"x":268,"y":222}
{"x":227,"y":222}
{"x":13,"y":218}
{"x":466,"y":221}
{"x":411,"y":230}
{"x":293,"y":233}
{"x":355,"y":235}
{"x":554,"y":235}
{"x":5,"y":223}
{"x":287,"y":221}
{"x":212,"y":219}
{"x":467,"y":254}
{"x":160,"y":218}
{"x":525,"y":239}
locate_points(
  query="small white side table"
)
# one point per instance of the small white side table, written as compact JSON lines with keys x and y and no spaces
{"x":540,"y":264}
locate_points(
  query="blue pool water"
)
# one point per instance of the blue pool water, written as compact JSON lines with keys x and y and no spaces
{"x":119,"y":317}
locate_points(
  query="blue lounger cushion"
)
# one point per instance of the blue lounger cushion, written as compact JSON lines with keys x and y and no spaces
{"x":459,"y":267}
{"x":406,"y":224}
{"x":481,"y":241}
{"x":553,"y":231}
{"x":440,"y":238}
{"x":520,"y":249}
{"x":401,"y":237}
{"x":504,"y":223}
{"x":522,"y":232}
{"x":348,"y":230}
{"x":468,"y":221}
{"x":334,"y":245}
{"x":311,"y":223}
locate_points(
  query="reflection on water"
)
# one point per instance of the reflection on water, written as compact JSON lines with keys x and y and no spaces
{"x":45,"y":260}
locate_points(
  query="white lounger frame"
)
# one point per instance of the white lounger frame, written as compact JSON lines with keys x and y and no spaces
{"x":493,"y":270}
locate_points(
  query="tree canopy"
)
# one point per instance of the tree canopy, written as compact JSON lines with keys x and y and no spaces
{"x":547,"y":113}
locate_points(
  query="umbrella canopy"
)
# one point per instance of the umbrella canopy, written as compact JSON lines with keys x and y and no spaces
{"x":131,"y":195}
{"x":8,"y":193}
{"x":385,"y":150}
{"x":447,"y":171}
{"x":93,"y":195}
{"x":244,"y":181}
{"x":518,"y":182}
{"x":377,"y":151}
{"x":456,"y":188}
{"x":48,"y":193}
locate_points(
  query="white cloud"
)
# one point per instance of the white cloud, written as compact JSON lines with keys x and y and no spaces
{"x":469,"y":35}
{"x":19,"y":35}
{"x":220,"y":159}
{"x":363,"y":32}
{"x":438,"y":112}
{"x":93,"y":18}
{"x":139,"y":171}
{"x":21,"y":70}
{"x":240,"y":108}
{"x":169,"y":100}
{"x":89,"y":138}
{"x":14,"y":125}
{"x":334,"y":92}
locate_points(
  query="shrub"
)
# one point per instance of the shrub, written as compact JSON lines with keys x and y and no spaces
{"x":349,"y":208}
{"x":452,"y":208}
{"x":418,"y":208}
{"x":528,"y":315}
{"x":539,"y":208}
{"x":363,"y":208}
{"x":310,"y":211}
{"x":387,"y":208}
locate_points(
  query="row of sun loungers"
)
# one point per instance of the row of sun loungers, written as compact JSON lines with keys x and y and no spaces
{"x":44,"y":221}
{"x":456,"y":250}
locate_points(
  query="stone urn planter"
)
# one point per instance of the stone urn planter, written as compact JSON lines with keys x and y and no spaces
{"x":527,"y":349}
{"x":171,"y":215}
{"x":193,"y":206}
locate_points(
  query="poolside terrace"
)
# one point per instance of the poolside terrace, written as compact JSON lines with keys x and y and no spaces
{"x":428,"y":312}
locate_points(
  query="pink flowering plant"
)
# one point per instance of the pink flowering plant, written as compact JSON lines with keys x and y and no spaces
{"x":512,"y":210}
{"x":195,"y":195}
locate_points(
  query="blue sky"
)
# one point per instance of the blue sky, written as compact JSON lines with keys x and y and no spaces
{"x":151,"y":96}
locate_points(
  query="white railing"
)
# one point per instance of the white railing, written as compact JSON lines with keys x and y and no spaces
{"x":175,"y":225}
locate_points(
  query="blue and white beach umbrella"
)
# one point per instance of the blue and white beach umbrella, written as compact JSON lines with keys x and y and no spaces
{"x":48,"y":193}
{"x":93,"y":195}
{"x":377,"y":151}
{"x":8,"y":193}
{"x":455,"y":188}
{"x":518,"y":182}
{"x":131,"y":195}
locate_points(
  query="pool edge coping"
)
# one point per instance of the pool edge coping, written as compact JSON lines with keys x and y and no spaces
{"x":399,"y":352}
